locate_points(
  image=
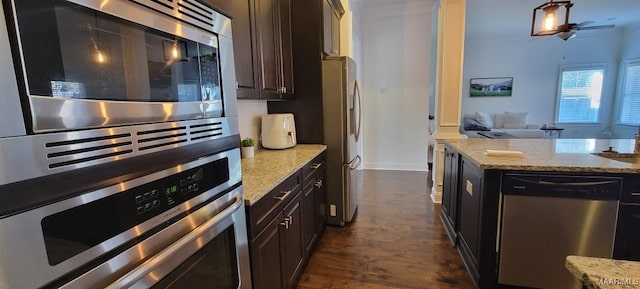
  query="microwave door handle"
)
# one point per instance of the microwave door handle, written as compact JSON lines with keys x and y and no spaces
{"x":141,"y":271}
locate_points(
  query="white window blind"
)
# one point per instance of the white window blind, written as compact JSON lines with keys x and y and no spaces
{"x":580,"y":93}
{"x":630,"y":111}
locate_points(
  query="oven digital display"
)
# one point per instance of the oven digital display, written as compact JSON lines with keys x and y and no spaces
{"x":171,"y":190}
{"x":73,"y":231}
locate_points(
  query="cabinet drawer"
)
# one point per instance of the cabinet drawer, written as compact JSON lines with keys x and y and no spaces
{"x":312,"y":167}
{"x":265,"y":209}
{"x":631,"y":190}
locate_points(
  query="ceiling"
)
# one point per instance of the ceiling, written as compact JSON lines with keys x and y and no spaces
{"x":513,"y":17}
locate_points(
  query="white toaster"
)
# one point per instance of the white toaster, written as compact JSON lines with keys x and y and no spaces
{"x":278,"y":131}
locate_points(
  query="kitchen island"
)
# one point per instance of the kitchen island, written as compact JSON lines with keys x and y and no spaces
{"x":554,"y":198}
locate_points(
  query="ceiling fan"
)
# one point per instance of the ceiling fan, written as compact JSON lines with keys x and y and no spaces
{"x":569,"y":31}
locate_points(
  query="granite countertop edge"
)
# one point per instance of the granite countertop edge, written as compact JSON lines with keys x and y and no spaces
{"x":541,"y":155}
{"x":602,"y":273}
{"x":268,"y":168}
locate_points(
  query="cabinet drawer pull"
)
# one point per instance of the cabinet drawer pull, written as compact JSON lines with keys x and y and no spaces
{"x":316,"y":166}
{"x":283,"y":196}
{"x":289,"y":220}
{"x":285,"y":224}
{"x":318,"y":184}
{"x":637,"y":194}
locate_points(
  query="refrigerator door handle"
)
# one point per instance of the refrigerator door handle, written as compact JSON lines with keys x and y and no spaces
{"x":355,"y":163}
{"x":356,"y":93}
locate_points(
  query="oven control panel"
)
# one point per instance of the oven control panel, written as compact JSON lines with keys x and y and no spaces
{"x":169,"y":192}
{"x":75,"y":230}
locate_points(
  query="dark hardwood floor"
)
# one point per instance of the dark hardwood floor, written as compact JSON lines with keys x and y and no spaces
{"x":396,"y":241}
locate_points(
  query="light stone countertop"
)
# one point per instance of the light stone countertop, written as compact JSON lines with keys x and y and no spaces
{"x":561,"y":155}
{"x":600,"y":273}
{"x":268,"y":168}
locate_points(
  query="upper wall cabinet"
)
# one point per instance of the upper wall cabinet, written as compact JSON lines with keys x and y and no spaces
{"x":244,"y":44}
{"x":273,"y":24}
{"x":332,"y":11}
{"x":261,"y":46}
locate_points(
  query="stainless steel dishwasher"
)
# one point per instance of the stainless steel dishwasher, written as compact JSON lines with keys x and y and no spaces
{"x":546,"y":217}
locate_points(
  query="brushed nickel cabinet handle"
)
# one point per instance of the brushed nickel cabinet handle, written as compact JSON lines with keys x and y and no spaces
{"x":285,"y":224}
{"x":318,"y":184}
{"x":316,"y":166}
{"x":283,"y":196}
{"x":636,"y":194}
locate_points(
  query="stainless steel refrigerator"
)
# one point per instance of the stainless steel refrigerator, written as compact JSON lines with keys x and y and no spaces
{"x":341,"y":104}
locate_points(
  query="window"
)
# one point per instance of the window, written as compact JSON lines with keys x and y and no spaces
{"x":580,"y":92}
{"x":630,"y":105}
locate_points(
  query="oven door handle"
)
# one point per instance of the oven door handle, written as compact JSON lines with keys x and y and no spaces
{"x":143,"y":270}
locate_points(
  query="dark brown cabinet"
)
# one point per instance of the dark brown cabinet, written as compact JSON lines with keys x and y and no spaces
{"x":332,"y":12}
{"x":450,"y":193}
{"x":628,"y":228}
{"x":273,"y":27}
{"x":277,"y":253}
{"x":314,"y":201}
{"x":292,"y":247}
{"x":265,"y":257}
{"x":262,"y":47}
{"x":244,"y":44}
{"x":307,"y":38}
{"x":470,"y":199}
{"x":308,"y":226}
{"x":284,"y":225}
{"x":470,"y":195}
{"x":628,"y":233}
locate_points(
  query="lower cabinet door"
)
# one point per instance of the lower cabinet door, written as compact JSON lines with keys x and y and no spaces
{"x":292,"y":246}
{"x":308,"y":217}
{"x":265,"y":257}
{"x":628,"y":233}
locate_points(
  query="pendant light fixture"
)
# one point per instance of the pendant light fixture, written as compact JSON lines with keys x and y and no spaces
{"x":102,"y":54}
{"x":551,"y":18}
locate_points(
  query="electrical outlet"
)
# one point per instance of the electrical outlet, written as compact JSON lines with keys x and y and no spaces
{"x":332,"y":210}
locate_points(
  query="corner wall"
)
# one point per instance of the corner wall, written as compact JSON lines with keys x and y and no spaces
{"x":249,"y":117}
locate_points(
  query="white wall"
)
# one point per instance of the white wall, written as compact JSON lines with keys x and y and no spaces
{"x":249,"y":115}
{"x":534,"y":63}
{"x":630,"y":51}
{"x":396,"y":53}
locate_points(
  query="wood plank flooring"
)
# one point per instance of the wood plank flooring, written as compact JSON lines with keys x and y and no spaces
{"x":396,"y":241}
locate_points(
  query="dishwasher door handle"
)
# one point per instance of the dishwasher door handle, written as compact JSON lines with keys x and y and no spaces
{"x":550,"y":183}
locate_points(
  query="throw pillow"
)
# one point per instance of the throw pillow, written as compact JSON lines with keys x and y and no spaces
{"x":472,"y":124}
{"x":484,"y":119}
{"x":515,"y":119}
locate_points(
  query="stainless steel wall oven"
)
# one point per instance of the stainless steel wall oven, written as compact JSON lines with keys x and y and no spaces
{"x":179,"y":227}
{"x":119,"y":149}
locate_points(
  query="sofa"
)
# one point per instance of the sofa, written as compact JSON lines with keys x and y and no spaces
{"x":510,"y":123}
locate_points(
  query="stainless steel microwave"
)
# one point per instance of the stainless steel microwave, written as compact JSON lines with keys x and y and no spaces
{"x":83,"y":64}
